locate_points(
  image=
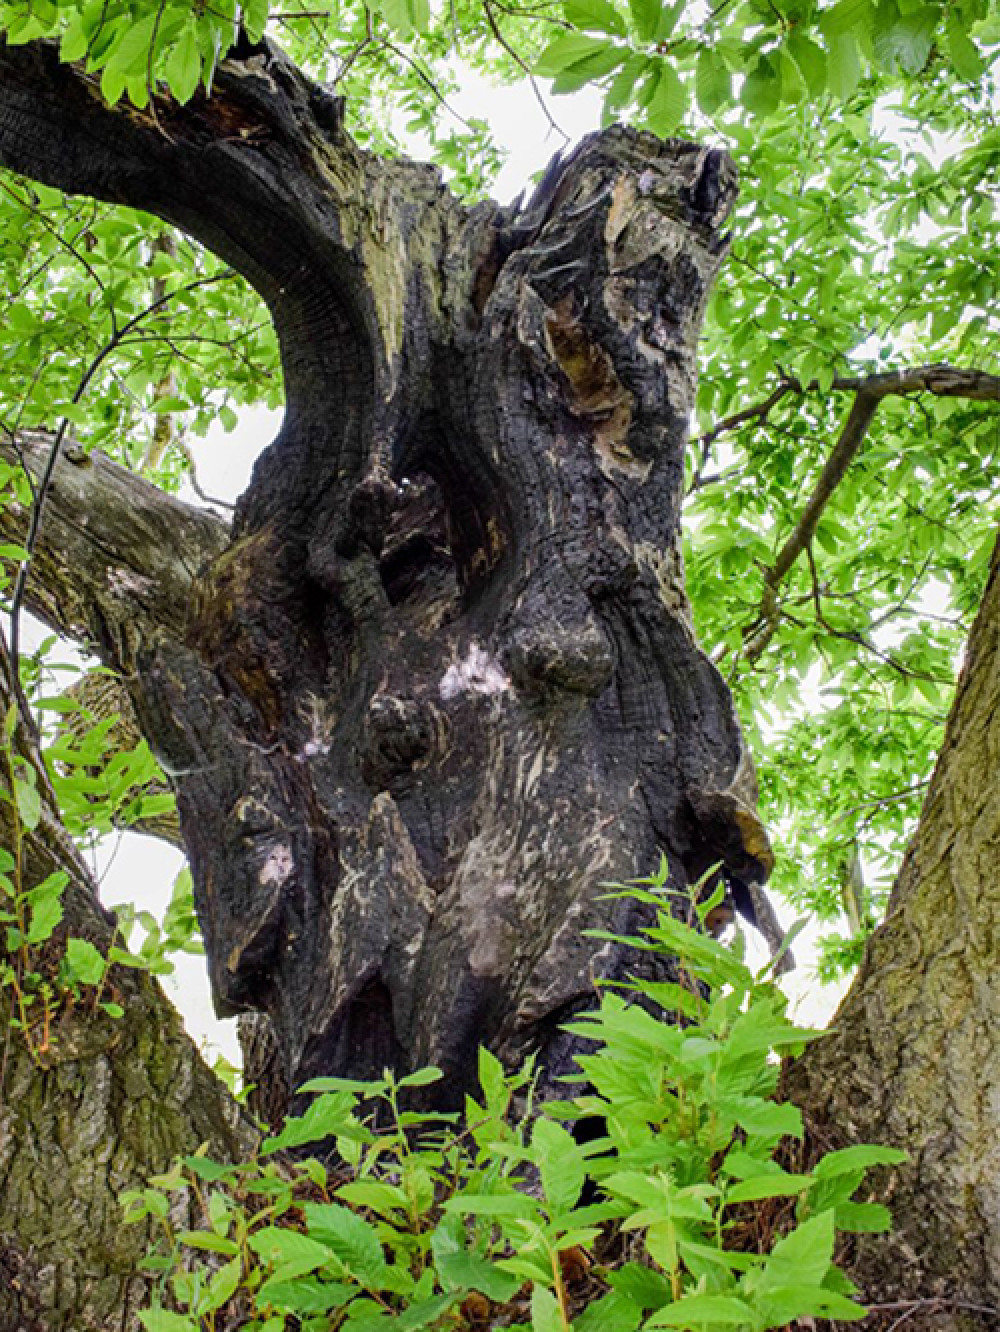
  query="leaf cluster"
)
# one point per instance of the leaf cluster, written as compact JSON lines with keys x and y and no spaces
{"x":504,"y":1216}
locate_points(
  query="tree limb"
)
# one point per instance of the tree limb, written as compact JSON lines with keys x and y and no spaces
{"x":869,"y":390}
{"x":115,"y":558}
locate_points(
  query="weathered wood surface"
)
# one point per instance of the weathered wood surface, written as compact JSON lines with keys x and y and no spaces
{"x":441,"y":680}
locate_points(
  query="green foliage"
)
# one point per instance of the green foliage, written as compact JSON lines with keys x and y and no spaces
{"x":683,"y":1212}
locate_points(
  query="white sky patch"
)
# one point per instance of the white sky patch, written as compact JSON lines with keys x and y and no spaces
{"x":479,"y":673}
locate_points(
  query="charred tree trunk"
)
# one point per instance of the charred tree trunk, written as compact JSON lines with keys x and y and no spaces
{"x":442,"y":680}
{"x":913,"y":1055}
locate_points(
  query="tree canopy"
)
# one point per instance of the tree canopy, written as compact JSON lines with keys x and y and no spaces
{"x":841,"y":473}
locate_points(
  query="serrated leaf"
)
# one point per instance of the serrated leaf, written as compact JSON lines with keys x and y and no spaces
{"x":222,"y":1286}
{"x":790,"y":1303}
{"x":713,"y":82}
{"x":288,"y":1248}
{"x":862,"y":1157}
{"x":768,"y":1186}
{"x":802,"y":1257}
{"x":811,"y":61}
{"x":567,"y":50}
{"x":86,"y":963}
{"x":350,"y":1238}
{"x":668,"y":103}
{"x":844,"y":65}
{"x":560,"y":1164}
{"x":761,"y":92}
{"x":591,"y":15}
{"x":645,"y":18}
{"x":303,"y":1295}
{"x":470,"y":1271}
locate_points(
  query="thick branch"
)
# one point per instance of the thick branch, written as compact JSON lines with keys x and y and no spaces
{"x":116,"y":557}
{"x":869,"y":390}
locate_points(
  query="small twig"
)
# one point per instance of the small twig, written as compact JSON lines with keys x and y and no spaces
{"x":514,"y":55}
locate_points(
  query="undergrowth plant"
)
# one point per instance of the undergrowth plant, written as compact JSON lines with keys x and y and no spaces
{"x":675,"y":1213}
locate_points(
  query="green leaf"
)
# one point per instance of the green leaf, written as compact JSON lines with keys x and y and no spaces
{"x":962,"y":50}
{"x":863,"y":1157}
{"x":545,"y":1313}
{"x":560,"y":1164}
{"x":844,"y":65}
{"x":811,"y":61}
{"x":591,"y":15}
{"x":160,"y":1320}
{"x":208,"y":1241}
{"x":223,"y":1284}
{"x":803,"y":1257}
{"x":29,"y":801}
{"x":182,"y":68}
{"x":352,"y":1239}
{"x":645,"y":17}
{"x":469,"y":1271}
{"x":668,"y":103}
{"x":303,"y":1295}
{"x":423,"y":1077}
{"x":761,"y":93}
{"x":787,"y":1304}
{"x":903,"y":41}
{"x":768,"y":1186}
{"x":713,"y":82}
{"x":863,"y":1218}
{"x":489,"y":1204}
{"x":288,"y":1248}
{"x":567,"y":50}
{"x":694,"y":1311}
{"x":46,"y":904}
{"x":84,"y":962}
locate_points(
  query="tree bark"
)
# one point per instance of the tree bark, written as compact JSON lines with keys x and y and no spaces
{"x":913,"y":1055}
{"x":442,"y":681}
{"x":90,"y":1105}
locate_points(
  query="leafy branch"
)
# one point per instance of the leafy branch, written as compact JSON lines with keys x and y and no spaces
{"x":869,"y":391}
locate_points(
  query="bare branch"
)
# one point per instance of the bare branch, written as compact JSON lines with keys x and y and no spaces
{"x":869,"y":390}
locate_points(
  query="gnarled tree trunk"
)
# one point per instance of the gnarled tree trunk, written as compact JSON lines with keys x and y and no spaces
{"x":441,"y":680}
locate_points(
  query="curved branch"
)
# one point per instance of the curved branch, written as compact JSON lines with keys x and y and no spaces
{"x":869,"y":390}
{"x":115,"y":557}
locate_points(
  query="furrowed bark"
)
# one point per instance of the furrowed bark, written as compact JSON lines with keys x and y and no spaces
{"x":912,"y":1057}
{"x":90,"y":1105}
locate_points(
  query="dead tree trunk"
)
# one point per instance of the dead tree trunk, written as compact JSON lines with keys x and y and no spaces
{"x":441,"y":681}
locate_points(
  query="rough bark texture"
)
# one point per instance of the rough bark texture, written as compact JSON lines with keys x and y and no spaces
{"x":442,"y":680}
{"x":913,"y":1057}
{"x":97,"y":1106}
